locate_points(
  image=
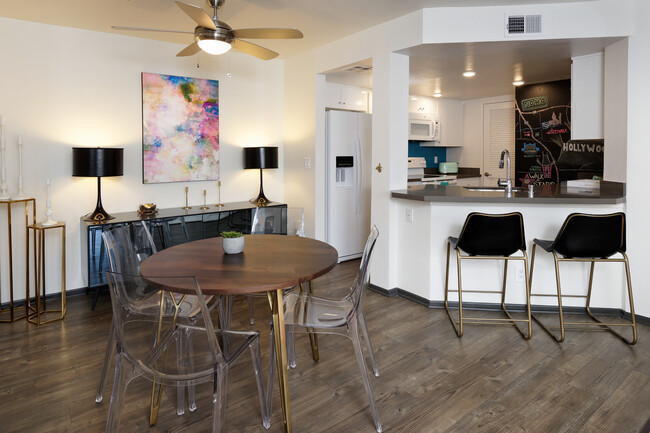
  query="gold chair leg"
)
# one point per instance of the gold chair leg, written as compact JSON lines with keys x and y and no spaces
{"x":559,"y":339}
{"x":503,"y":300}
{"x":156,"y":397}
{"x":629,"y":291}
{"x":277,"y":310}
{"x":451,"y":319}
{"x":313,"y":337}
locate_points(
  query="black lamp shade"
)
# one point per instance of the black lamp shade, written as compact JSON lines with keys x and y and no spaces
{"x":260,"y":157}
{"x":97,"y":161}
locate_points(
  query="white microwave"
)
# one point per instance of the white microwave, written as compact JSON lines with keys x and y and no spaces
{"x":424,"y":127}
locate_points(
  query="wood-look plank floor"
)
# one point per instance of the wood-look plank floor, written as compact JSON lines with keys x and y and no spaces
{"x":491,"y":380}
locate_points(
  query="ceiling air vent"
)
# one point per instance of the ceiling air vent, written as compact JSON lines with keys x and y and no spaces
{"x":519,"y":25}
{"x":358,"y":68}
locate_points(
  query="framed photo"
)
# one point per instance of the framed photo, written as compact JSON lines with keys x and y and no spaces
{"x":180,"y":129}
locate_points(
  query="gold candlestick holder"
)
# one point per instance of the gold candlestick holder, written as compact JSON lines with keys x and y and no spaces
{"x":219,"y":204}
{"x":187,"y":206}
{"x":204,"y":205}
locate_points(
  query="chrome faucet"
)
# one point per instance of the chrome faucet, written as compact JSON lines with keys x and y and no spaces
{"x":508,"y":182}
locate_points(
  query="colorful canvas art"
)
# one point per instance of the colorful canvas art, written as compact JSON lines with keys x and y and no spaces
{"x":180,"y":129}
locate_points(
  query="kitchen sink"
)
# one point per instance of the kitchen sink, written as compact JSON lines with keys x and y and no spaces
{"x":494,"y":188}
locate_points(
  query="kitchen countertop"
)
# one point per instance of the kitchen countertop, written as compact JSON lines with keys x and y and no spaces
{"x":608,"y":193}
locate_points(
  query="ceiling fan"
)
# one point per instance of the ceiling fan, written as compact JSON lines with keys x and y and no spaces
{"x":216,"y":37}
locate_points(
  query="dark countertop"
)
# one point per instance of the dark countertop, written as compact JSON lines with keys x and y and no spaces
{"x":609,"y":193}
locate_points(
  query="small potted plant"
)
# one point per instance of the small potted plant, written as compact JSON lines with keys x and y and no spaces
{"x":233,"y":242}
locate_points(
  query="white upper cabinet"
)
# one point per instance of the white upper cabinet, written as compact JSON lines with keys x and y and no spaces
{"x":450,"y":127}
{"x":451,"y":122}
{"x":343,"y":97}
{"x":422,"y":104}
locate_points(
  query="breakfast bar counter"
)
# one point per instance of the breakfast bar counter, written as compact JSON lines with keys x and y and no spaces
{"x":608,"y":193}
{"x":426,"y":215}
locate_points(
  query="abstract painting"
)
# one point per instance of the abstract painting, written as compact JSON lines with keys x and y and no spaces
{"x":180,"y":129}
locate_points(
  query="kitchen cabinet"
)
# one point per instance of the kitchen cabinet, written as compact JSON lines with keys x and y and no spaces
{"x":450,"y":113}
{"x":422,"y":104}
{"x":343,"y":97}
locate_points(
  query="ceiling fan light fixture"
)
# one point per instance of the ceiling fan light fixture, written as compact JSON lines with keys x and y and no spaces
{"x":214,"y":46}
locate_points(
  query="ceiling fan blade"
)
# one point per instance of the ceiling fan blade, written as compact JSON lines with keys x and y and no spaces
{"x":198,"y":15}
{"x":253,"y":50}
{"x":268,"y":33}
{"x":142,"y":29}
{"x":189,"y":50}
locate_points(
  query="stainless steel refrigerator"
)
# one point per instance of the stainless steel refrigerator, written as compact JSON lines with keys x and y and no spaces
{"x":348,"y":177}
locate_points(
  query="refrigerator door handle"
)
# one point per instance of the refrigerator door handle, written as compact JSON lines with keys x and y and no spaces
{"x":359,"y":173}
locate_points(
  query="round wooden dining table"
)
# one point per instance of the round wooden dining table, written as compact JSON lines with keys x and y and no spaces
{"x":269,"y":263}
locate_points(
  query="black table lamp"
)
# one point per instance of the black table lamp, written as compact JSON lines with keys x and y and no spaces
{"x":98,"y":162}
{"x":261,"y":157}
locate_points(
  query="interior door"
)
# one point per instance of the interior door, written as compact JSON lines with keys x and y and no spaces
{"x":498,"y":134}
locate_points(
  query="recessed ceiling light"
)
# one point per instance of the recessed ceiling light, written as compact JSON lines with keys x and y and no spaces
{"x":518,"y":83}
{"x":469,"y":74}
{"x":437,"y":95}
{"x":413,"y":98}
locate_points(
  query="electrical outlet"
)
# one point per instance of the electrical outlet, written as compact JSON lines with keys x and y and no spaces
{"x":409,"y":215}
{"x":435,"y":159}
{"x":521,"y":273}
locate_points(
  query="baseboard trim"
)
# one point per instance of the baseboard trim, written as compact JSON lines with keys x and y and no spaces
{"x":485,"y":306}
{"x":49,"y":297}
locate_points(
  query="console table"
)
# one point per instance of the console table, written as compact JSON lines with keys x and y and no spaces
{"x":168,"y":227}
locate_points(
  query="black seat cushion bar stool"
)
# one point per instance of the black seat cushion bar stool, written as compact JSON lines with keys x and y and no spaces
{"x":587,"y":238}
{"x":489,"y":237}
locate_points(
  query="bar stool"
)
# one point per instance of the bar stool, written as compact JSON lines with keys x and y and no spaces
{"x":587,"y":238}
{"x":489,"y":237}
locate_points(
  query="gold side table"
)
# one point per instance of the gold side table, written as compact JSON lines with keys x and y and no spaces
{"x":35,"y":310}
{"x":12,"y":308}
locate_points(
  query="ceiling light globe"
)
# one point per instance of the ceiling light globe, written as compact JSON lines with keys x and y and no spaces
{"x":213,"y":46}
{"x":469,"y":74}
{"x":518,"y":83}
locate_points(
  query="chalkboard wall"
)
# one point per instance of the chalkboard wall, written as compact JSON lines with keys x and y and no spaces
{"x":542,"y":130}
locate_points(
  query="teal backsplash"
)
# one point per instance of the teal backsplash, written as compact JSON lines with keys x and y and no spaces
{"x":428,"y":152}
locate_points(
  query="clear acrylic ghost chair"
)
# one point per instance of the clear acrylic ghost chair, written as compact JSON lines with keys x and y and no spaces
{"x":128,"y":246}
{"x":271,"y":220}
{"x":336,"y":316}
{"x":157,"y":339}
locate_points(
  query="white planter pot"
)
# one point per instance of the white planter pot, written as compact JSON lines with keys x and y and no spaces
{"x":233,"y":245}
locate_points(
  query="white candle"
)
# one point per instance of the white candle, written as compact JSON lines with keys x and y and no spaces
{"x":47,"y":204}
{"x":20,"y":164}
{"x":2,"y":147}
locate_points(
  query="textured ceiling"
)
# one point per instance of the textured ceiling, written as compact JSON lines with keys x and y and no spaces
{"x":433,"y":67}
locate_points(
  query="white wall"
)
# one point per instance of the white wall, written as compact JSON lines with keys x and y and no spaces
{"x":615,"y":111}
{"x":63,"y":87}
{"x":435,"y":25}
{"x":638,"y":152}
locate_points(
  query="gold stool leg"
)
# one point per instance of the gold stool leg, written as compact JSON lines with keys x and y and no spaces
{"x":459,"y":331}
{"x":632,"y":314}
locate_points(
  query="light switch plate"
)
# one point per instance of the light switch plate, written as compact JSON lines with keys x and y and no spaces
{"x":307,"y":162}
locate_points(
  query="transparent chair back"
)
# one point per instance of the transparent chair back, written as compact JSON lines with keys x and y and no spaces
{"x":338,"y":316}
{"x":157,"y":339}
